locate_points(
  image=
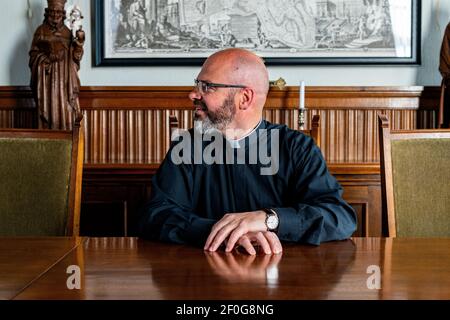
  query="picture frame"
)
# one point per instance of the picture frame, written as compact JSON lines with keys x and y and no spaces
{"x":283,"y":32}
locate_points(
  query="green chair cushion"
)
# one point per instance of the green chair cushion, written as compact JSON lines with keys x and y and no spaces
{"x":34,"y":186}
{"x":421,"y":179}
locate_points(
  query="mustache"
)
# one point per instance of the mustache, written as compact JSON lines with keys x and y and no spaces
{"x":201,"y":104}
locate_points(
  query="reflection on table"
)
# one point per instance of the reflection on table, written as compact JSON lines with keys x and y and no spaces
{"x":128,"y":268}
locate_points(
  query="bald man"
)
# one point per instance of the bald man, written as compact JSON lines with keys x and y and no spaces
{"x":236,"y":180}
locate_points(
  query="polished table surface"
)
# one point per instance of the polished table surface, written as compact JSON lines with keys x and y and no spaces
{"x":23,"y":260}
{"x":128,"y":268}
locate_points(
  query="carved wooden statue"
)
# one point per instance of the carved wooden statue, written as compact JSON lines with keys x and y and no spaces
{"x":55,"y":57}
{"x":444,"y":68}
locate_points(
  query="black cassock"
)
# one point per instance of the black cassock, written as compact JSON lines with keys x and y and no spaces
{"x":188,"y":198}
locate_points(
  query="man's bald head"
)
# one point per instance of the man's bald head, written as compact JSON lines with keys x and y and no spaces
{"x":242,"y":67}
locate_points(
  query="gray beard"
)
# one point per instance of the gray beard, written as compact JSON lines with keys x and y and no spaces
{"x":220,"y":120}
{"x":205,"y":126}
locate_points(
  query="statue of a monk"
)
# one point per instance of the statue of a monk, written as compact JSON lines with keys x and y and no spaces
{"x":444,"y":68}
{"x":55,"y":57}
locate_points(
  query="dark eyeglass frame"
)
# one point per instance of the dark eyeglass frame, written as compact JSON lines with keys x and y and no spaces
{"x":214,"y":85}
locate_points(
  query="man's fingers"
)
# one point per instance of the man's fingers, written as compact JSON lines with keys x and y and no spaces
{"x":274,"y":242}
{"x":220,"y":237}
{"x":234,"y":237}
{"x":263,"y":243}
{"x":247,"y":245}
{"x":215,"y":229}
{"x":209,"y":240}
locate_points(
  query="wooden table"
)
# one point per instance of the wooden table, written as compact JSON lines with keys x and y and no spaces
{"x":24,"y":260}
{"x":128,"y":268}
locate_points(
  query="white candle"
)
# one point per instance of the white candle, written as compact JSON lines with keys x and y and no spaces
{"x":302,"y":94}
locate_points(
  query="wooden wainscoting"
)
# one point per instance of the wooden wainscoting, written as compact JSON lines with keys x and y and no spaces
{"x":131,"y":125}
{"x":112,"y":197}
{"x":17,"y":108}
{"x":127,"y":136}
{"x":362,"y":190}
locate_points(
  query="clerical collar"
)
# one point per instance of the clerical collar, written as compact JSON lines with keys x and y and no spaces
{"x":236,"y":143}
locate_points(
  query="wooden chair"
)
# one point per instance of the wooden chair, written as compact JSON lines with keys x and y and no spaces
{"x":415,"y":180}
{"x":40,"y":181}
{"x":314,"y":132}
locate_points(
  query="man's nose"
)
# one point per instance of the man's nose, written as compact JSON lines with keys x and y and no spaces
{"x":194,"y":94}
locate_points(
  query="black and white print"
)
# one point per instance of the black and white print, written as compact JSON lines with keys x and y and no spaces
{"x":282,"y":28}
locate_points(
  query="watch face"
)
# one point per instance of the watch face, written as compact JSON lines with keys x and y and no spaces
{"x":272,"y":222}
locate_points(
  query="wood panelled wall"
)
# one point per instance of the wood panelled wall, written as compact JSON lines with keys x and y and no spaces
{"x":127,"y":136}
{"x":130,"y":124}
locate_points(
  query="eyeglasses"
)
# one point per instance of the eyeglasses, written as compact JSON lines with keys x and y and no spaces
{"x":204,"y":87}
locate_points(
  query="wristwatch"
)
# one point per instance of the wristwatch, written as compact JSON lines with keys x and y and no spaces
{"x":272,"y":220}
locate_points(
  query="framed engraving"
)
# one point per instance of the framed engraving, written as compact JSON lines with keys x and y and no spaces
{"x":283,"y":32}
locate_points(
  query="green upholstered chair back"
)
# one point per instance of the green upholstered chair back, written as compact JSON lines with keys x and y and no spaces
{"x":38,"y":183}
{"x":421,"y":179}
{"x":416,"y":181}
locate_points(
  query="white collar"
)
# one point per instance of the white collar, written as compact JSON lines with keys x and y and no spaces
{"x":235,"y":143}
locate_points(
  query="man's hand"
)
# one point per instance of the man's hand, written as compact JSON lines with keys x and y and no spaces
{"x":267,"y":241}
{"x":232,"y":227}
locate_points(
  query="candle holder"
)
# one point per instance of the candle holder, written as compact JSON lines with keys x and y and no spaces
{"x":280,"y":83}
{"x":301,"y":118}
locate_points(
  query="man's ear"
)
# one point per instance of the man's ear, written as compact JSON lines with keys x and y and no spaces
{"x":246,"y":99}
